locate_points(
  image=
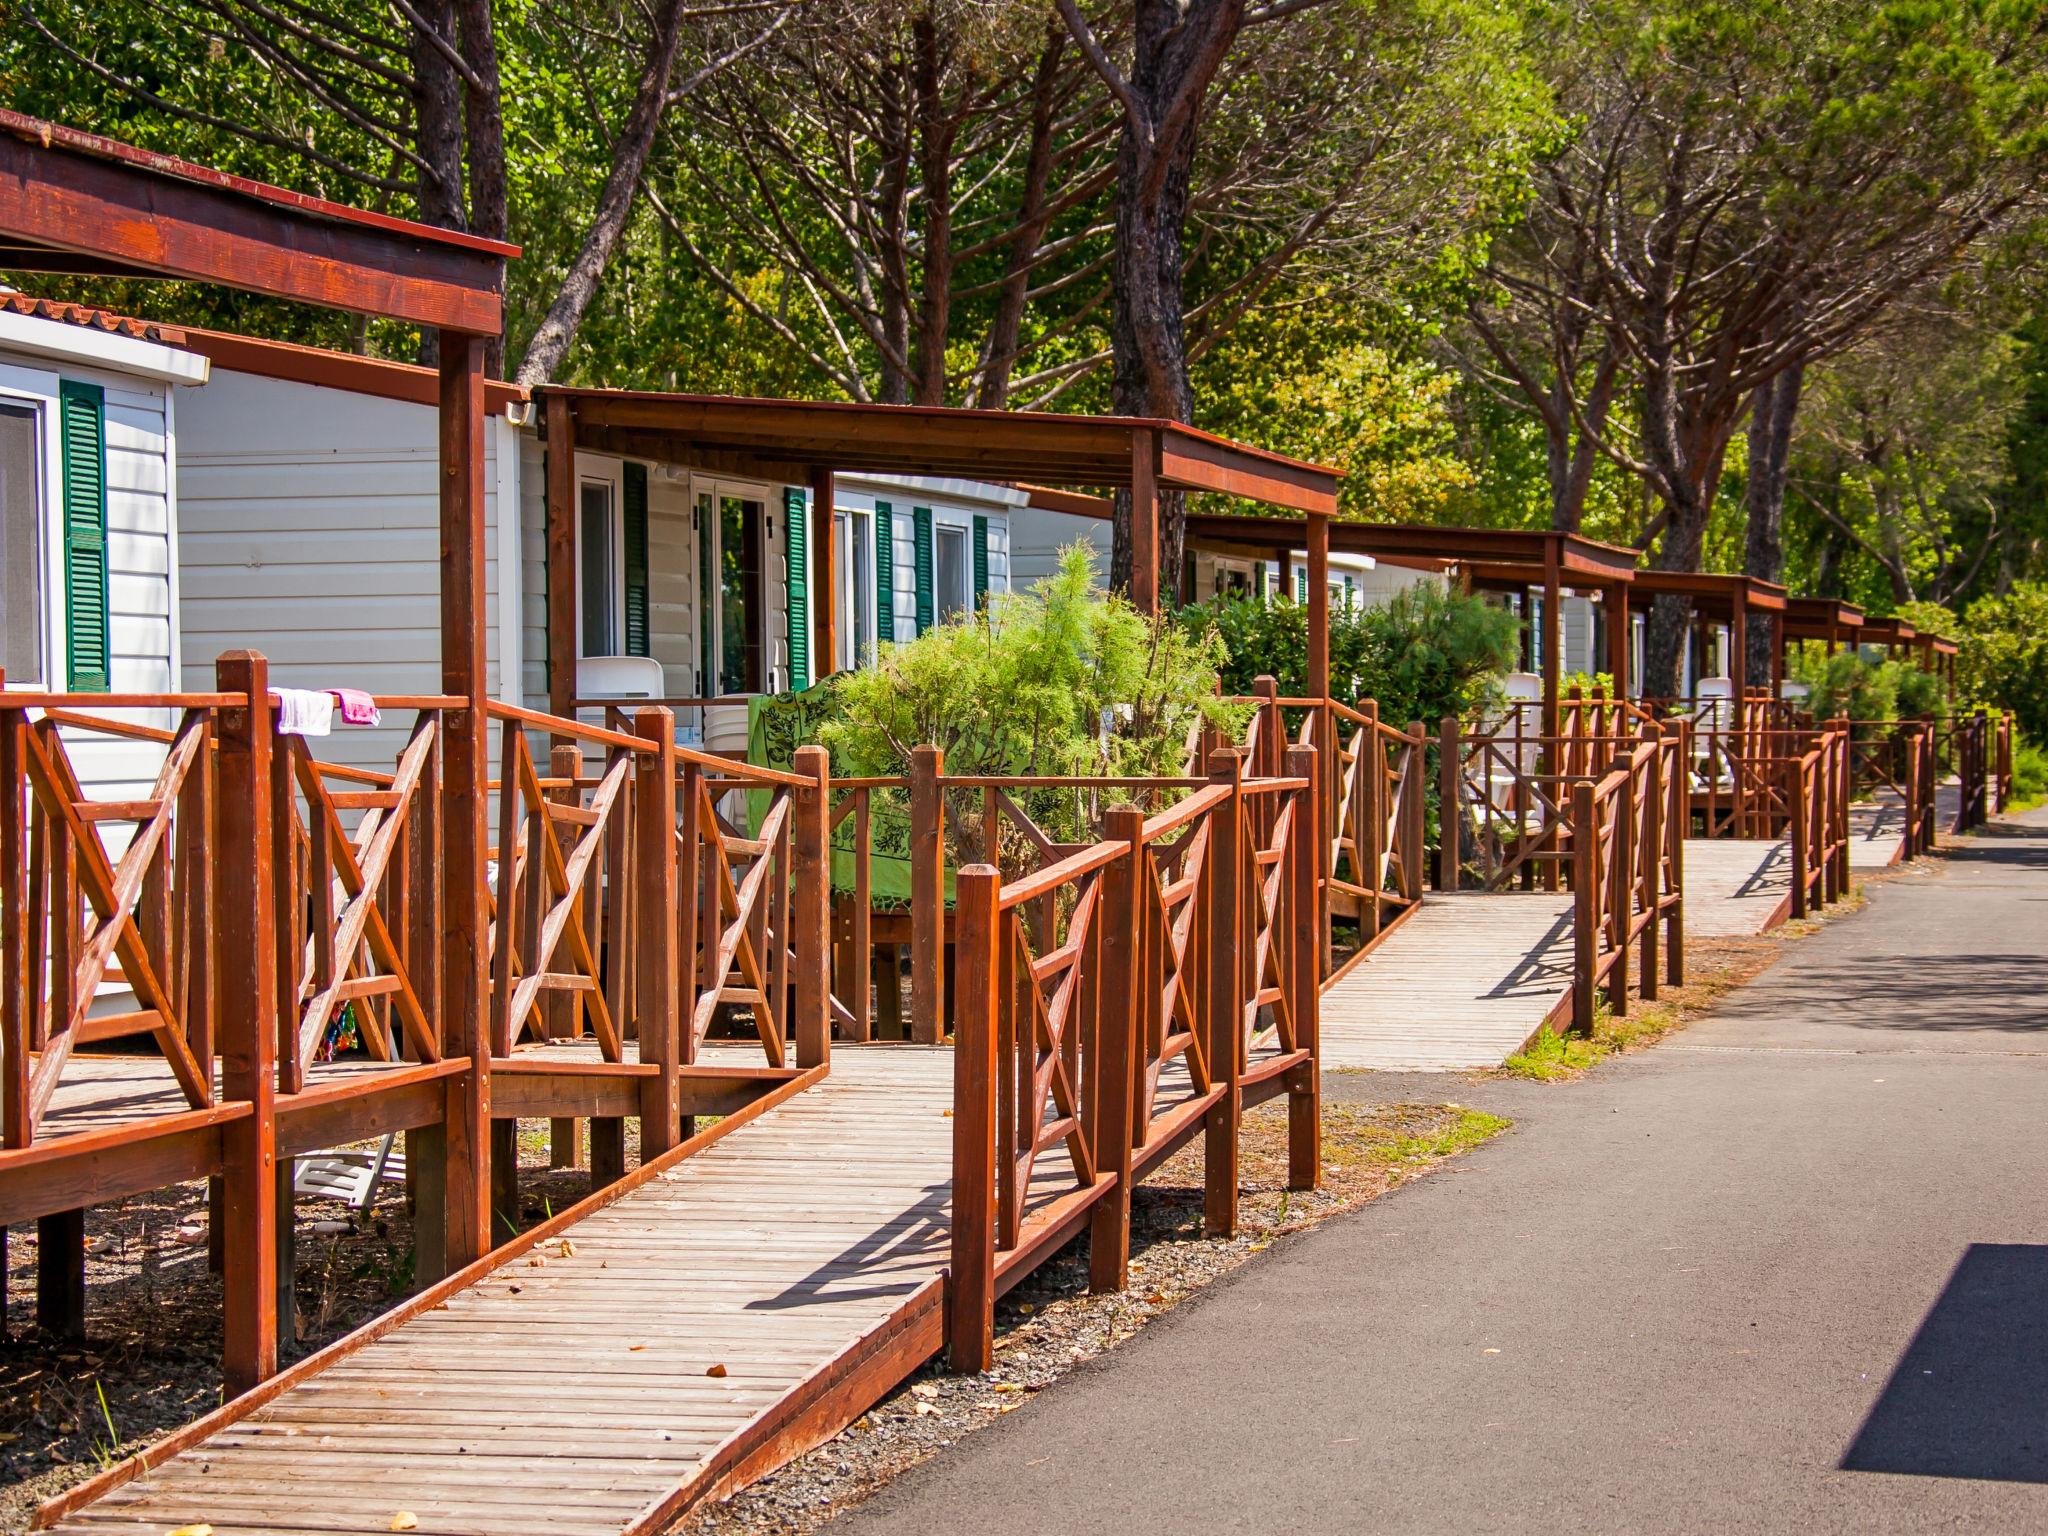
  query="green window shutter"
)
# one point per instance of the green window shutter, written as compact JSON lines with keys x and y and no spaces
{"x":634,"y":512}
{"x":980,"y":563}
{"x":1259,"y":582}
{"x":921,"y":550}
{"x":82,"y":416}
{"x":885,"y":574}
{"x":1300,"y":585}
{"x":797,"y":532}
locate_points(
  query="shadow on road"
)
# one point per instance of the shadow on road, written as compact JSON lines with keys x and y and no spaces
{"x":1970,"y":1398}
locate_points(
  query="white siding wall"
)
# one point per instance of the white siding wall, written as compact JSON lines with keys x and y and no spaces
{"x":311,"y":532}
{"x":142,"y":543}
{"x":672,"y":635}
{"x":533,"y":572}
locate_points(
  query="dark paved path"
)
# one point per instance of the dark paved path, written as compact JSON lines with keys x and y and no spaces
{"x":1690,"y":1293}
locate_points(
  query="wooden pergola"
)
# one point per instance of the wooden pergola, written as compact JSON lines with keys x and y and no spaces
{"x":1829,"y":620}
{"x":800,"y":442}
{"x":1483,"y":559}
{"x":77,"y":204}
{"x":1730,"y":600}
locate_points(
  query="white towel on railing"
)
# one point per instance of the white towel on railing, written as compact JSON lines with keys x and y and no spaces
{"x":303,"y":711}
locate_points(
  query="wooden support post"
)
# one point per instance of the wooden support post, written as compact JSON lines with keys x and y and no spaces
{"x":657,"y":979}
{"x":60,"y":1275}
{"x":1450,"y":778}
{"x":1585,"y":905}
{"x":1652,"y":832}
{"x":1272,"y":738}
{"x":1553,"y":650}
{"x":1619,"y":895}
{"x":927,"y":896}
{"x":1126,"y":968}
{"x":811,"y":907}
{"x":863,"y":973}
{"x":824,"y":578}
{"x":1619,"y":636}
{"x":560,"y":420}
{"x":247,"y":937}
{"x":1306,"y":931}
{"x":1797,"y":835}
{"x":1226,"y":995}
{"x":1145,"y":522}
{"x":465,"y":982}
{"x":971,"y":1276}
{"x":1325,"y":804}
{"x":1414,"y":814}
{"x":1738,"y":657}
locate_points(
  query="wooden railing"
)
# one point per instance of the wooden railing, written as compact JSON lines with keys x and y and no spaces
{"x":1112,"y":1003}
{"x":1625,"y":879}
{"x":1817,"y":823}
{"x":82,"y":912}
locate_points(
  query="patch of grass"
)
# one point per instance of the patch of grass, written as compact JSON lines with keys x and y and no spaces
{"x":1551,"y":1056}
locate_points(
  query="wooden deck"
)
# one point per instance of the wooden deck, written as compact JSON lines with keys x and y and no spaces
{"x":1735,"y":888}
{"x":736,"y":1307}
{"x":1461,"y":984}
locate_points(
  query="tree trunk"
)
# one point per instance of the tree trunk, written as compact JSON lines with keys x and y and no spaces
{"x":484,"y":125}
{"x":437,"y":108}
{"x":1178,"y":45}
{"x":936,"y":131}
{"x":1572,"y":449}
{"x":894,"y":239}
{"x":557,"y":330}
{"x":1772,"y":410}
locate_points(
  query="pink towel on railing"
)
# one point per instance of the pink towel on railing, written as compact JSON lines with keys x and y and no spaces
{"x":357,"y":707}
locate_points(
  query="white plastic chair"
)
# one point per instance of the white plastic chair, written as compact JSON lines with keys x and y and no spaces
{"x":351,"y":1175}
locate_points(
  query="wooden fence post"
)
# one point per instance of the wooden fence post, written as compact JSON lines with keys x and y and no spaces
{"x":1413,"y":791}
{"x":1369,"y":817}
{"x":1304,"y":1083}
{"x":1585,"y":905}
{"x":1225,"y":1008}
{"x":811,"y":908}
{"x":1677,"y":823}
{"x":658,"y":971}
{"x":247,"y":933}
{"x":1652,"y":834}
{"x":1272,"y":729}
{"x":1449,"y":777}
{"x":1127,"y":973}
{"x":927,"y":896}
{"x":1797,"y":832}
{"x":971,"y":1277}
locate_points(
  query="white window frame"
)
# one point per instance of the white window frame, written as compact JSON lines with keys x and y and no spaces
{"x":711,"y":605}
{"x":947,"y":520}
{"x":39,"y":390}
{"x":594,"y":470}
{"x":856,"y":638}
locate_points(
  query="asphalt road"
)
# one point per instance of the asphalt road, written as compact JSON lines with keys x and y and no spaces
{"x":1786,"y":1272}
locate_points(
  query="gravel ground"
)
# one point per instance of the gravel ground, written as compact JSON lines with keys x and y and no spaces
{"x":1050,"y":1324}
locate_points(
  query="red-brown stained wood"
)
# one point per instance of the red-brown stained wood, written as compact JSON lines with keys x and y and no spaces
{"x":970,"y":1281}
{"x":1225,"y":994}
{"x":1307,"y":933}
{"x":811,"y":908}
{"x":247,"y":937}
{"x":465,"y":984}
{"x":927,"y":896}
{"x":1125,"y":977}
{"x":655,"y":942}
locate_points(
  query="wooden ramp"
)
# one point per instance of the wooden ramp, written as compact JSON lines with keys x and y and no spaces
{"x":725,"y":1314}
{"x":1735,"y":887}
{"x":1463,"y":983}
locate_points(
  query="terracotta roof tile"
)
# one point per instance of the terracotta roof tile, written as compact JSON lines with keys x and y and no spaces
{"x":89,"y":318}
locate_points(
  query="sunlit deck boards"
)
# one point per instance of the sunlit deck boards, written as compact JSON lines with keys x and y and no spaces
{"x":573,"y":1394}
{"x":1735,"y":887}
{"x":1461,"y":984}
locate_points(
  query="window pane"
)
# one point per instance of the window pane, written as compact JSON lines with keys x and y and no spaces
{"x":596,"y":540}
{"x":21,"y":528}
{"x":950,"y":574}
{"x":739,"y":567}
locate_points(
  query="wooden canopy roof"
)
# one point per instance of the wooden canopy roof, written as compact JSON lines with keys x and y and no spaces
{"x":791,"y":439}
{"x":1713,"y":595}
{"x":76,"y":203}
{"x":1493,"y":556}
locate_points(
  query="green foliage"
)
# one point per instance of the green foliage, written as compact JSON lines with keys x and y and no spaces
{"x":1845,"y":685}
{"x":1064,"y":679}
{"x":2029,"y":775}
{"x":1426,"y":654}
{"x":2002,"y":655}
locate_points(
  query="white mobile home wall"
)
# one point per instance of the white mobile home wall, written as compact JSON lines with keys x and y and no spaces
{"x":311,"y":533}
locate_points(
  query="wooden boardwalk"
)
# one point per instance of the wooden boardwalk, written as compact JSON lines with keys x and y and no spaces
{"x":1461,"y":984}
{"x":732,"y":1309}
{"x":1735,"y":888}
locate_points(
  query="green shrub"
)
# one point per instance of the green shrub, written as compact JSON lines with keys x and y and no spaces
{"x":1064,"y":679}
{"x":2002,"y":655}
{"x":2029,"y":774}
{"x":1426,"y":654}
